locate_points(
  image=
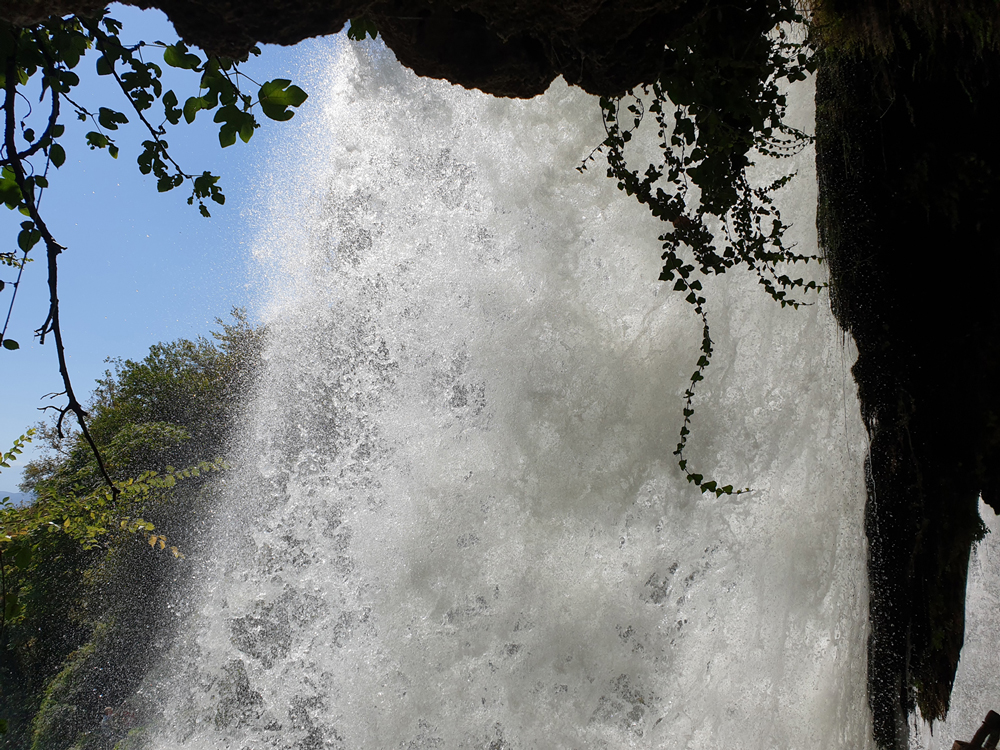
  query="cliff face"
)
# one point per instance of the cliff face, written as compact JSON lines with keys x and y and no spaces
{"x":909,"y":179}
{"x":909,"y":169}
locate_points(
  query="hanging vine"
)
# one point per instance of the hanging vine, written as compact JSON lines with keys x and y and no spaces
{"x":718,"y":99}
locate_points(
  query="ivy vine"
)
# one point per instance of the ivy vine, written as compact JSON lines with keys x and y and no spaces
{"x":718,"y":99}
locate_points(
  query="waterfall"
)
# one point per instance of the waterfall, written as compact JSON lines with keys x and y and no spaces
{"x":457,"y":522}
{"x":975,"y":690}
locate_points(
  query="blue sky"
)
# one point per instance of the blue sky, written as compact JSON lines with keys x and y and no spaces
{"x":140,"y":266}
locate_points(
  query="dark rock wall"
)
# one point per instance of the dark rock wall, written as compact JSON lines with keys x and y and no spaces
{"x":504,"y":47}
{"x":513,"y":48}
{"x":909,"y":173}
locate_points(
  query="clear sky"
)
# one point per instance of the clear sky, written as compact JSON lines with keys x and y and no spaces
{"x":140,"y":266}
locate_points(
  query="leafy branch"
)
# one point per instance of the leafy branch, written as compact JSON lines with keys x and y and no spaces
{"x":92,"y":520}
{"x":48,"y":53}
{"x":16,"y":450}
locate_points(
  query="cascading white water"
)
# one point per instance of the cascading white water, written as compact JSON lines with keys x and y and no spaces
{"x":457,"y":521}
{"x":976,"y":690}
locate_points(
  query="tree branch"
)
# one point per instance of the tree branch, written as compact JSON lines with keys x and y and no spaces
{"x":156,"y":133}
{"x":53,"y":249}
{"x":40,"y":142}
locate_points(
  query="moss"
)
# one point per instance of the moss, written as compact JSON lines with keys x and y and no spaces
{"x":882,"y":29}
{"x":59,"y":720}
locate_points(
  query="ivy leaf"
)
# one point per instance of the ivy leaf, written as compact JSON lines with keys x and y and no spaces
{"x":361,"y":28}
{"x":97,"y":140}
{"x":194,"y":105}
{"x":177,"y":56}
{"x":110,"y":119}
{"x":277,"y":96}
{"x":170,"y":109}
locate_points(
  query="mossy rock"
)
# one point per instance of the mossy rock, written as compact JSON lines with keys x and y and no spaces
{"x":59,"y":720}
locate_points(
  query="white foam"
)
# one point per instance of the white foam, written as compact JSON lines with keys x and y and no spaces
{"x":459,"y":523}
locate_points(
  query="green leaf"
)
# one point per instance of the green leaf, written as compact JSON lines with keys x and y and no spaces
{"x":277,"y":96}
{"x":57,"y":154}
{"x":28,"y":237}
{"x":170,"y":109}
{"x":246,"y":130}
{"x":192,"y":106}
{"x":227,"y":135}
{"x":103,"y":66}
{"x":236,"y":121}
{"x":361,"y":28}
{"x":177,"y":56}
{"x":10,"y":193}
{"x":13,"y":607}
{"x":10,"y":344}
{"x":110,"y":119}
{"x":97,"y":140}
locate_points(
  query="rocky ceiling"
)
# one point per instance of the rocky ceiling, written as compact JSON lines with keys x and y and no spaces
{"x":504,"y":47}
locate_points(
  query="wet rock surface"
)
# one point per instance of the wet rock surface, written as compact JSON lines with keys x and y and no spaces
{"x":906,"y":164}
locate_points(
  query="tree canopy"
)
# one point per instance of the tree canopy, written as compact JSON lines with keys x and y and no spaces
{"x":40,"y":60}
{"x":85,"y":572}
